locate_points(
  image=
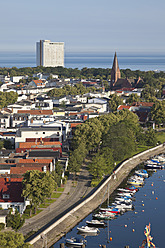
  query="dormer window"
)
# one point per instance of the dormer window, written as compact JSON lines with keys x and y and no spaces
{"x":5,"y":196}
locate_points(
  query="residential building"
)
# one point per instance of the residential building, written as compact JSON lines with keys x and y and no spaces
{"x":8,"y":196}
{"x":54,"y":131}
{"x":50,"y":54}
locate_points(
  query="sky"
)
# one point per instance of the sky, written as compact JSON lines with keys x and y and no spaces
{"x":84,"y":26}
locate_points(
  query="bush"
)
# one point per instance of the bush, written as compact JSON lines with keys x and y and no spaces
{"x":2,"y":226}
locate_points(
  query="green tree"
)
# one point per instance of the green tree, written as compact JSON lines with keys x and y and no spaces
{"x":150,"y":137}
{"x":121,"y":140}
{"x":11,"y":239}
{"x":114,"y":102}
{"x":37,"y":186}
{"x":158,"y":112}
{"x":133,"y":98}
{"x":15,"y":220}
{"x":97,"y":166}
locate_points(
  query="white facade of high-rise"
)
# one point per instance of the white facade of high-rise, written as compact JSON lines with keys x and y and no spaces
{"x":50,"y":54}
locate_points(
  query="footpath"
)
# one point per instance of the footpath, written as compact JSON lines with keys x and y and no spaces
{"x":71,"y":194}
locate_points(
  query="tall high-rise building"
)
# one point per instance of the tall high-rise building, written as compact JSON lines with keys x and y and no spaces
{"x":49,"y":53}
{"x":115,"y":73}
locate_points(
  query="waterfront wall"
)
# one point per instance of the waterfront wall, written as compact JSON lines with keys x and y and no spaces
{"x":59,"y":228}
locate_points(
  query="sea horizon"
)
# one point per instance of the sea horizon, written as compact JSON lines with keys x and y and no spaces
{"x":134,"y":61}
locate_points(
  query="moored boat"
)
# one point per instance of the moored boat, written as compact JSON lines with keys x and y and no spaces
{"x":96,"y":223}
{"x":87,"y":229}
{"x":154,"y":166}
{"x":75,"y":242}
{"x":142,"y":173}
{"x":103,"y":216}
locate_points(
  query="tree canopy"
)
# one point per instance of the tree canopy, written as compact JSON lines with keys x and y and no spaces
{"x":37,"y":186}
{"x":13,"y":240}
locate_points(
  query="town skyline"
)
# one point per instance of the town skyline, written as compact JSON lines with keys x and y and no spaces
{"x":88,"y":26}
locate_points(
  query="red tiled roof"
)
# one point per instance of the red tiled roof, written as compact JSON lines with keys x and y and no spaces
{"x":36,"y":160}
{"x":121,"y":107}
{"x":30,"y":144}
{"x":36,"y":112}
{"x":74,"y":124}
{"x":144,"y":104}
{"x":22,"y":170}
{"x":38,"y":82}
{"x":11,"y":187}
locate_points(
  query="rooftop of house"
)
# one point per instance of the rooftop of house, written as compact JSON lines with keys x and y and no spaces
{"x":44,"y":154}
{"x":36,"y":112}
{"x":143,"y":104}
{"x":11,"y":187}
{"x":35,"y":160}
{"x":121,"y":107}
{"x":22,"y":170}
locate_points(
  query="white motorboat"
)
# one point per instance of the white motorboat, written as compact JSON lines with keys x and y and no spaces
{"x":123,"y":199}
{"x":142,"y":173}
{"x":123,"y":206}
{"x":95,"y":223}
{"x":104,"y":216}
{"x":127,"y":190}
{"x":75,"y":242}
{"x":135,"y":182}
{"x":87,"y":229}
{"x":125,"y":194}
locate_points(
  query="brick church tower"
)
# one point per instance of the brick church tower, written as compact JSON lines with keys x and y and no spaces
{"x":115,"y":73}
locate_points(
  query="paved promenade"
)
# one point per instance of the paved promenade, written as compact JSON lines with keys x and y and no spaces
{"x":70,"y":196}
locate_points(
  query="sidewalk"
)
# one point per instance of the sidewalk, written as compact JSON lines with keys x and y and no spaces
{"x":67,"y":193}
{"x":69,"y":196}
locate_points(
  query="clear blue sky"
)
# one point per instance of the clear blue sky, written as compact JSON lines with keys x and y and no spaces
{"x":88,"y":25}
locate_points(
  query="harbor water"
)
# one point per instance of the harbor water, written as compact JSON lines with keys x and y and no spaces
{"x":128,"y":229}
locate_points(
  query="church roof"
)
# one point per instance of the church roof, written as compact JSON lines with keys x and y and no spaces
{"x":115,"y":66}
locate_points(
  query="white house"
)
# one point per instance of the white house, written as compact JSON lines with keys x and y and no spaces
{"x":46,"y":131}
{"x":10,"y":197}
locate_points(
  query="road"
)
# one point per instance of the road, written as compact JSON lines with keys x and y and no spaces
{"x":70,"y":196}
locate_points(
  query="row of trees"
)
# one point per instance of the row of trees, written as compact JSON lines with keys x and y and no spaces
{"x":111,"y":138}
{"x":78,"y":89}
{"x":7,"y":98}
{"x":102,"y":73}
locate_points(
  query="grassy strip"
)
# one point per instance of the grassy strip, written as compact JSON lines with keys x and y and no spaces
{"x":43,"y":205}
{"x":60,"y":189}
{"x":160,"y":136}
{"x":50,"y":201}
{"x":55,"y":195}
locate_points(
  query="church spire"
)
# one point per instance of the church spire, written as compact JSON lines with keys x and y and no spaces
{"x":115,"y":73}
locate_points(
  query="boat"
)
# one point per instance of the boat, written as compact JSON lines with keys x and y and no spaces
{"x":133,"y":188}
{"x":126,"y":190}
{"x":75,"y":242}
{"x":160,"y":158}
{"x":103,"y":216}
{"x":142,"y":173}
{"x":123,"y":199}
{"x":147,"y":243}
{"x":125,"y":194}
{"x":135,"y":182}
{"x":154,"y":166}
{"x":96,"y":223}
{"x":87,"y":229}
{"x":111,"y":210}
{"x":123,"y":206}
